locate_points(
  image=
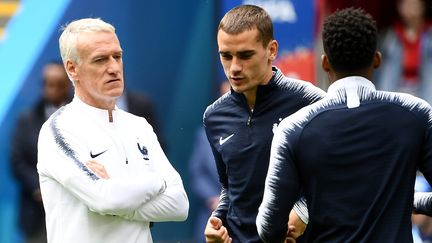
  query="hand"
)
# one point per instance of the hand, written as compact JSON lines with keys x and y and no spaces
{"x":98,"y":169}
{"x":296,"y":226}
{"x":215,"y":232}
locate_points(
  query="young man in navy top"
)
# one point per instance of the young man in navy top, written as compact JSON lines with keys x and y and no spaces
{"x":354,"y":153}
{"x":240,"y":124}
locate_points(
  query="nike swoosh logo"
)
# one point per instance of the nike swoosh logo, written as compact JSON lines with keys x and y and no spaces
{"x":96,"y":155}
{"x":223,"y":140}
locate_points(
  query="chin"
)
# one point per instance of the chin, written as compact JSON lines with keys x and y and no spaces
{"x":237,"y":89}
{"x":117,"y":92}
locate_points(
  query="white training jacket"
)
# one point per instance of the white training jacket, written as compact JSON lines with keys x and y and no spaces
{"x":81,"y":207}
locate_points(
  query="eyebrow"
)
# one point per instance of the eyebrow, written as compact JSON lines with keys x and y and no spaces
{"x":105,"y":54}
{"x":247,"y":52}
{"x":239,"y":52}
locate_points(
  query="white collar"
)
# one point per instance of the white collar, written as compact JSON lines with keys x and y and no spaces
{"x":351,"y":86}
{"x":97,"y":112}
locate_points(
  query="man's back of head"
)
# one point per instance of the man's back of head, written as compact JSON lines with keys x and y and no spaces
{"x":350,"y":41}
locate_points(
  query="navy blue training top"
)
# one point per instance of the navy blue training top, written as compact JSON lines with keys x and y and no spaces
{"x":241,"y":141}
{"x":355,"y":154}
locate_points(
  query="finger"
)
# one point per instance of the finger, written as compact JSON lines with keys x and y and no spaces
{"x":224,"y":234}
{"x":218,"y":236}
{"x":226,"y":237}
{"x":291,"y":228}
{"x":93,"y":162}
{"x":290,"y":240}
{"x":96,"y":164}
{"x":92,"y":165}
{"x":210,"y":240}
{"x":212,"y":234}
{"x":104,"y":175}
{"x":213,"y":238}
{"x":98,"y":169}
{"x":215,"y":222}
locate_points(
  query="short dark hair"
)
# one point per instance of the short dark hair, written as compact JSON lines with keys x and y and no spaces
{"x":248,"y":17}
{"x":350,"y":39}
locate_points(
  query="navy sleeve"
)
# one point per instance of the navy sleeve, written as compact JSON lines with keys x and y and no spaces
{"x":282,"y":188}
{"x":222,"y":207}
{"x":425,"y":165}
{"x":423,"y":201}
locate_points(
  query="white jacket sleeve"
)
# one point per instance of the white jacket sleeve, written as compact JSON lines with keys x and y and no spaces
{"x":172,"y":204}
{"x":58,"y":160}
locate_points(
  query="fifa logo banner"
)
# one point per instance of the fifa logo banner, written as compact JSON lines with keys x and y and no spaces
{"x":293,"y":22}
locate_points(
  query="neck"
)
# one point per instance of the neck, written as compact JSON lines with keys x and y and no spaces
{"x":251,"y":94}
{"x":105,"y":104}
{"x":334,"y":76}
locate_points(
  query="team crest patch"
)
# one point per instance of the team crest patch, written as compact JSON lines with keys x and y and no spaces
{"x":143,"y":150}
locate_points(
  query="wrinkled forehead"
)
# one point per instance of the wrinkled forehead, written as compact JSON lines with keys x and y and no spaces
{"x":97,"y":43}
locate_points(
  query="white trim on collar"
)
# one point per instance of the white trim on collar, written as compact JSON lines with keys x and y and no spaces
{"x":94,"y":111}
{"x":351,"y":85}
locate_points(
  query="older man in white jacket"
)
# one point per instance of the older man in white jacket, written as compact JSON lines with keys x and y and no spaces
{"x":103,"y":174}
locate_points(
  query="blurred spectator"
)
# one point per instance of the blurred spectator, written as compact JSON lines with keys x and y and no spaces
{"x":383,"y":11}
{"x":407,"y":52}
{"x":422,"y":224}
{"x":140,"y":104}
{"x":204,"y":177}
{"x":56,"y":92}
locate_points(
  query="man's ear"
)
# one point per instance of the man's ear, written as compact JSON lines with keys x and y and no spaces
{"x":273,"y":48}
{"x":325,"y":64}
{"x":71,"y":69}
{"x":377,"y":60}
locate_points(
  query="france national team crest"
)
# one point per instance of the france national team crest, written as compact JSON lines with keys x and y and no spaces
{"x":143,"y":150}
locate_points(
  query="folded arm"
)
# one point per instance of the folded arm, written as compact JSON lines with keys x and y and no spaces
{"x":170,"y":205}
{"x":59,"y":162}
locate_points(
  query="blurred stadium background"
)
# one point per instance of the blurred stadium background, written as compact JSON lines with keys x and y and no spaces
{"x":170,"y":53}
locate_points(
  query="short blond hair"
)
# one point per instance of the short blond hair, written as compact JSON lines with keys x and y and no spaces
{"x":247,"y":17}
{"x":69,"y":36}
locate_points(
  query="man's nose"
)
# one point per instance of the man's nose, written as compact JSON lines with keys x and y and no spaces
{"x":114,"y":65}
{"x":236,"y":65}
